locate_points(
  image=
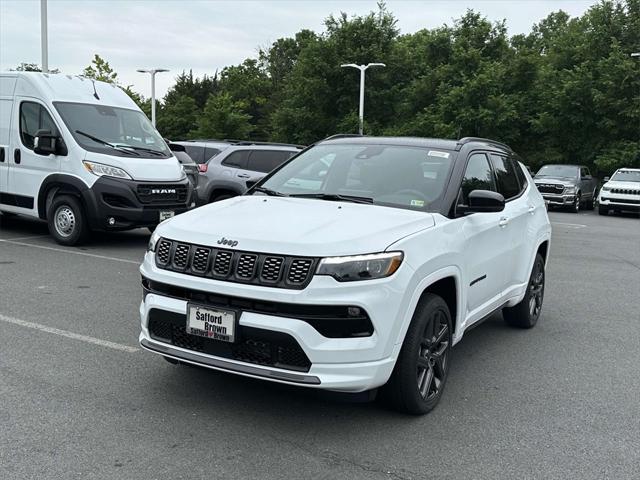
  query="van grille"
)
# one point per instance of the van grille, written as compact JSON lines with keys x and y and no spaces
{"x":162,"y":193}
{"x":232,"y":266}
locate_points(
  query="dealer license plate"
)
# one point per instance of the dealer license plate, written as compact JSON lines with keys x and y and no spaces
{"x":166,"y":215}
{"x":211,"y":323}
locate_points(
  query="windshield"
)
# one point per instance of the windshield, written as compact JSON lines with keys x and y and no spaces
{"x":112,"y":130}
{"x":398,"y":176}
{"x":626,"y":176}
{"x":558,"y":171}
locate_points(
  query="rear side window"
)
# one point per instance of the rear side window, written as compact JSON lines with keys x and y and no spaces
{"x":477,"y":176}
{"x":34,"y":117}
{"x":237,"y":159}
{"x":506,"y":178}
{"x":522,"y":178}
{"x":266,"y":160}
{"x":195,"y":152}
{"x":210,"y":152}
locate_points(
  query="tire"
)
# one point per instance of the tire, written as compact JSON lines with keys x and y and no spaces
{"x":67,"y":221}
{"x":603,"y":210}
{"x":575,"y":208}
{"x":421,"y":370}
{"x":590,"y":205}
{"x":526,"y":313}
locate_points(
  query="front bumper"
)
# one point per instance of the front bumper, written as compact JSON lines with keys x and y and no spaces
{"x":353,"y":364}
{"x":117,"y":199}
{"x":619,"y":201}
{"x":562,"y":200}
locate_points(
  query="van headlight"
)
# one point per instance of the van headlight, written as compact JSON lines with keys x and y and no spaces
{"x":153,"y":241}
{"x":102,"y":170}
{"x":360,"y":267}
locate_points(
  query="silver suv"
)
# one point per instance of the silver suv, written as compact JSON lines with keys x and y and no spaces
{"x":229,"y":167}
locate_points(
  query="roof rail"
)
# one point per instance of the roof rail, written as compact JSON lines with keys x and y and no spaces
{"x":341,"y":135}
{"x":466,"y":140}
{"x":252,"y":142}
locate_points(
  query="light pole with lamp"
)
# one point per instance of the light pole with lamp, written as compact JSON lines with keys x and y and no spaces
{"x":362,"y":69}
{"x":153,"y":90}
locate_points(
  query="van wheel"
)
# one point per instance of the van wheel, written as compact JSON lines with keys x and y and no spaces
{"x":67,"y":221}
{"x":420,"y":373}
{"x":526,"y":313}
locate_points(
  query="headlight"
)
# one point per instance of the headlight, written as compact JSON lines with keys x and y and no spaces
{"x":360,"y":267}
{"x":605,"y":188}
{"x":570,"y":189}
{"x":105,"y":170}
{"x":153,"y":240}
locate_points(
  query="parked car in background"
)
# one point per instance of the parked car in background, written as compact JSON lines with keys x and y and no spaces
{"x":234,"y":165}
{"x":620,"y":192}
{"x":189,"y":166}
{"x":82,"y":156}
{"x":362,"y":278}
{"x":568,"y":186}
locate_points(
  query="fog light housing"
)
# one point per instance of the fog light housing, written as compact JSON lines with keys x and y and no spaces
{"x":111,"y":221}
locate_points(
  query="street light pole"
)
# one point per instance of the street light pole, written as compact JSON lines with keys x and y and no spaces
{"x":153,"y":90}
{"x":43,"y":36}
{"x":362,"y":68}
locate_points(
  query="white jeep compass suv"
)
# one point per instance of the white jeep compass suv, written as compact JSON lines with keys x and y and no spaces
{"x":357,"y":264}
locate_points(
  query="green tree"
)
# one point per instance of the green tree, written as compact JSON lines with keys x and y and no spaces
{"x":99,"y":69}
{"x":223,"y":118}
{"x":33,"y":67}
{"x":178,"y":118}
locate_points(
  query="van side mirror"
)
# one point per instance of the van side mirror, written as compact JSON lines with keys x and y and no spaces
{"x":45,"y":143}
{"x":483,"y":201}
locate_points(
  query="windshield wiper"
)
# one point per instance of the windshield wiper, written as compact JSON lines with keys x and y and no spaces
{"x":98,"y":140}
{"x":268,"y":191}
{"x":334,"y":197}
{"x":142,"y":149}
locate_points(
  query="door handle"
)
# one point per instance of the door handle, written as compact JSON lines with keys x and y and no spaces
{"x":503,"y":222}
{"x":532,"y":209}
{"x":16,"y":155}
{"x":243,"y":175}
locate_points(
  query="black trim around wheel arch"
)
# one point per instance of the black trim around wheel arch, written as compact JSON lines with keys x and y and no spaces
{"x":57,"y":181}
{"x":266,"y":373}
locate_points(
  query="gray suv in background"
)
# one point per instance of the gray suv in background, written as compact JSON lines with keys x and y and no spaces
{"x":228,"y":167}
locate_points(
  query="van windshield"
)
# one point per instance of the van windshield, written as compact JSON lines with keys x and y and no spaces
{"x":112,"y":130}
{"x":411,"y":178}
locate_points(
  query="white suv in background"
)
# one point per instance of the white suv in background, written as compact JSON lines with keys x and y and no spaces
{"x":356,"y":265}
{"x":620,"y":192}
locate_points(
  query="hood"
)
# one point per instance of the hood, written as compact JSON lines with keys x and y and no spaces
{"x":295,"y":226}
{"x":556,"y":180}
{"x":143,"y":169}
{"x":624,"y":185}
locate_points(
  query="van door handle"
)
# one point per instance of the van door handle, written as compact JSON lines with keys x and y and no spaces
{"x":503,"y":222}
{"x":243,"y":175}
{"x":16,"y":155}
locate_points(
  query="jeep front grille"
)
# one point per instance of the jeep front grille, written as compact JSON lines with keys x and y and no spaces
{"x":232,"y":266}
{"x":626,"y":191}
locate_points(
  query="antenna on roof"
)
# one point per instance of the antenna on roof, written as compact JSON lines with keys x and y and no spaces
{"x":95,"y":94}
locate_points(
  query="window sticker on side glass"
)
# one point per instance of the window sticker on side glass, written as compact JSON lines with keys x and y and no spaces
{"x":417,"y":203}
{"x":435,"y":153}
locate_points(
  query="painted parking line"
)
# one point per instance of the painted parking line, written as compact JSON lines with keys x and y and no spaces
{"x":24,"y":238}
{"x":570,"y":225}
{"x":66,"y":333}
{"x":72,"y":252}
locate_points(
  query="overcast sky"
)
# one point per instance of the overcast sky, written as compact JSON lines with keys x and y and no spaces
{"x":208,"y":35}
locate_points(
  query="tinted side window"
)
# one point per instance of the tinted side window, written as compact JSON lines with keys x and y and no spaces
{"x":34,"y":117}
{"x":477,"y":176}
{"x":267,"y":160}
{"x":584,"y":172}
{"x":195,"y":152}
{"x":522,"y":178}
{"x":210,"y":152}
{"x":237,"y":159}
{"x":506,"y":178}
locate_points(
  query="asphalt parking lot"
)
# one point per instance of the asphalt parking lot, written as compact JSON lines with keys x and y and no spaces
{"x":79,"y":399}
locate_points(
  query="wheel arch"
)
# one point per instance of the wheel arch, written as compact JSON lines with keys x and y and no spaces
{"x":58,"y":184}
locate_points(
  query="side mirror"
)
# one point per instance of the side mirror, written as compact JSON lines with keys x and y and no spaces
{"x":45,"y":143}
{"x":483,"y":201}
{"x":606,"y":179}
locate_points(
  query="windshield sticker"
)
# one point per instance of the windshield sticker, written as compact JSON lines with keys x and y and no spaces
{"x":417,"y":203}
{"x":435,"y":153}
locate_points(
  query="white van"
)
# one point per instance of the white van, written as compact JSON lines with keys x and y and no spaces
{"x":81,"y":155}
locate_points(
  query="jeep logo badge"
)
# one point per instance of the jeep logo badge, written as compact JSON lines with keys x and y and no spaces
{"x":224,"y":241}
{"x":162,"y":191}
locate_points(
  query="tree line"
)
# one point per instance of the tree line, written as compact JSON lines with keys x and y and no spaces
{"x":568,"y":91}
